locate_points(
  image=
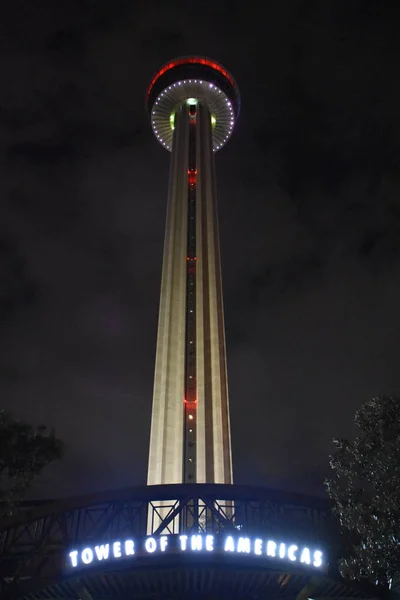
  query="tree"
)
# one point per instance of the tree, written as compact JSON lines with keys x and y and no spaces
{"x":24,"y":452}
{"x":365,"y":488}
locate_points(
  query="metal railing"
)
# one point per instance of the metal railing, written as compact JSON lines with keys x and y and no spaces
{"x":34,"y":543}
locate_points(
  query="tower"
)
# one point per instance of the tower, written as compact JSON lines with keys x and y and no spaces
{"x":193,"y":104}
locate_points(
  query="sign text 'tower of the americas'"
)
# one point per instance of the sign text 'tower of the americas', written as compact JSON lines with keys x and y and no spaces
{"x":197,"y":543}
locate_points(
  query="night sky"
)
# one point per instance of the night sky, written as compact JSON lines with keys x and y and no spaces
{"x":309,"y":222}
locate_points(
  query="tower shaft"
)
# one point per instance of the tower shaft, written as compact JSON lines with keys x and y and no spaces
{"x":190,"y":429}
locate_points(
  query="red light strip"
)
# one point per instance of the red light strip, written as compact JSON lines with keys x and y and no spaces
{"x":186,"y":401}
{"x":192,"y":177}
{"x":187,"y":61}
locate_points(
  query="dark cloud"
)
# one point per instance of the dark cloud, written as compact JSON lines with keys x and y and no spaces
{"x":17,"y":287}
{"x":39,"y":154}
{"x":159,"y":41}
{"x":65,"y":41}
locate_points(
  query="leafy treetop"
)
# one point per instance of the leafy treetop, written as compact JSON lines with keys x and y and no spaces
{"x":365,"y":487}
{"x":24,"y":452}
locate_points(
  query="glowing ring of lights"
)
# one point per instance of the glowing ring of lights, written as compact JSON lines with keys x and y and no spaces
{"x":193,"y":77}
{"x":176,"y":94}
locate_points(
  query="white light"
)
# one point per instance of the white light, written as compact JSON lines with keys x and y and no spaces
{"x":196,"y":542}
{"x":199,"y":543}
{"x":229,"y":544}
{"x":291,"y":552}
{"x":271,"y":548}
{"x":102,"y":551}
{"x":117,"y":549}
{"x":305,"y":556}
{"x":209,"y":539}
{"x":317,"y":558}
{"x":129,"y":548}
{"x":243,"y":545}
{"x":183,"y":541}
{"x":163,"y":542}
{"x":87,"y":556}
{"x":257,"y":546}
{"x":150,"y":545}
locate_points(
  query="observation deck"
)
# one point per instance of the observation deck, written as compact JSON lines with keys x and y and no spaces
{"x":193,"y":78}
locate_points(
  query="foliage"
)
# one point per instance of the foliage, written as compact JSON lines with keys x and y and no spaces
{"x":365,"y":488}
{"x":24,"y":452}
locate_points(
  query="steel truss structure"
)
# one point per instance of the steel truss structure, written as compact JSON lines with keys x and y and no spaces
{"x":34,"y":544}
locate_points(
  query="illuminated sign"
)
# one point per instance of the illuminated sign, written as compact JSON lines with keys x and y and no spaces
{"x":192,"y":543}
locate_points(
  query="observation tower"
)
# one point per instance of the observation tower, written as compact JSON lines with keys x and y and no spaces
{"x":193,"y":104}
